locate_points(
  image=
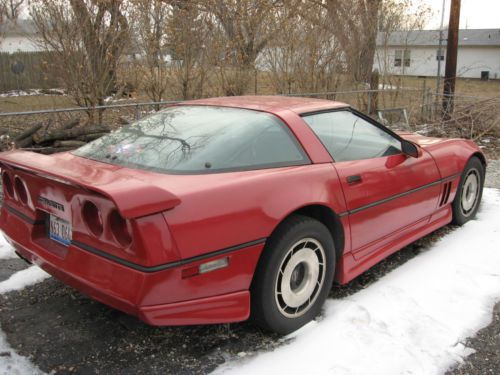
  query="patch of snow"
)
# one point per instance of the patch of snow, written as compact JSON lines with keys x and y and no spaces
{"x":12,"y":363}
{"x":386,"y":86}
{"x":112,"y":99}
{"x":23,"y":278}
{"x":32,"y":92}
{"x":6,"y":251}
{"x":414,"y":320}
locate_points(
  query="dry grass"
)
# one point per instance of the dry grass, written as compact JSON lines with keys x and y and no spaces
{"x":464,"y":86}
{"x":36,"y":102}
{"x":261,"y":84}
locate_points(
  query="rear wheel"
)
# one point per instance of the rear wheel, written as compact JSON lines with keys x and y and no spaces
{"x":469,"y":192}
{"x":294,"y":275}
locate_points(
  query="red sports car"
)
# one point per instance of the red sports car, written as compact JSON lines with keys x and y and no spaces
{"x":217,"y":209}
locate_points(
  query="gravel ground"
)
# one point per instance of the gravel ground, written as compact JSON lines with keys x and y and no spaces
{"x":64,"y":332}
{"x":493,"y":174}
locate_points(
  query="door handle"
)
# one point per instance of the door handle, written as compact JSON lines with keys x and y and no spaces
{"x":354,"y":179}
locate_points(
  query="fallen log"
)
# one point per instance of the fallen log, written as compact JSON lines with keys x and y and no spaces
{"x":58,"y":135}
{"x":28,"y":132}
{"x":90,"y":137}
{"x":70,"y":124}
{"x":48,"y":150}
{"x":74,"y":144}
{"x":25,"y":142}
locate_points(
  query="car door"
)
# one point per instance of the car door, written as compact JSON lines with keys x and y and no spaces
{"x":388,"y":193}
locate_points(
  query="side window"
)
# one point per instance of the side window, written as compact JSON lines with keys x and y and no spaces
{"x":402,"y":57}
{"x":347,"y":136}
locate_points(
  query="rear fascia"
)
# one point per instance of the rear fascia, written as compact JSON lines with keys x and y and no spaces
{"x":161,"y":297}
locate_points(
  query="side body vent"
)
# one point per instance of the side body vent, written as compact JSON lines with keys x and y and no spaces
{"x":445,"y":194}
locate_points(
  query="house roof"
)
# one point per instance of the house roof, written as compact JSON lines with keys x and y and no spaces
{"x":469,"y":37}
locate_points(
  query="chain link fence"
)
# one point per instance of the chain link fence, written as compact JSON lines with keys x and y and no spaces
{"x":418,"y":110}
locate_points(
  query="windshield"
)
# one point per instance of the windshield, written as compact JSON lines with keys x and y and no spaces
{"x":199,"y":139}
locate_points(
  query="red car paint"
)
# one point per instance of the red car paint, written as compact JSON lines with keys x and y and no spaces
{"x":178,"y":222}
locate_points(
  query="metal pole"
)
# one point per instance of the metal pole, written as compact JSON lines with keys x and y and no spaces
{"x":424,"y":95}
{"x":451,"y":58}
{"x":440,"y":50}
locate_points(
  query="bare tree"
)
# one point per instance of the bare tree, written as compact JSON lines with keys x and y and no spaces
{"x":9,"y":13}
{"x":241,"y":29}
{"x":188,"y":39}
{"x":150,"y":22}
{"x":11,"y":9}
{"x":87,"y":38}
{"x":303,"y":55}
{"x":356,"y":30}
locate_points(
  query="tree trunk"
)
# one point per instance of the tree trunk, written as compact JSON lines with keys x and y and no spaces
{"x":68,"y":144}
{"x":57,"y":135}
{"x":28,"y":132}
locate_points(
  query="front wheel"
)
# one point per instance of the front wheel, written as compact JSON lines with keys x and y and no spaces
{"x":294,"y":275}
{"x":469,"y":192}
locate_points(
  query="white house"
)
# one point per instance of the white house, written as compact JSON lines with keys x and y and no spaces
{"x":18,"y":37}
{"x":416,"y":53}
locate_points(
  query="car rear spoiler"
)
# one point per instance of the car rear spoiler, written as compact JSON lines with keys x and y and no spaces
{"x":132,"y":197}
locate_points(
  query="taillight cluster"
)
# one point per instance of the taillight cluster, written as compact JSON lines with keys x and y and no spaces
{"x":120,"y":228}
{"x":8,"y":188}
{"x":15,"y":188}
{"x":92,"y":218}
{"x":21,"y":190}
{"x":95,"y":222}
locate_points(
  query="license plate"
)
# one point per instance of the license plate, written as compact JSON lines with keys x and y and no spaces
{"x":60,"y":230}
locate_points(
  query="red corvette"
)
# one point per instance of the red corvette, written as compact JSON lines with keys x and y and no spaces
{"x":215,"y":209}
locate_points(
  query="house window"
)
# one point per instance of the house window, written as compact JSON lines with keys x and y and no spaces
{"x":440,"y":55}
{"x":402,"y":57}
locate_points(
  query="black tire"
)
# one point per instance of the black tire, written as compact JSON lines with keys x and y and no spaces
{"x":283,"y":250}
{"x":465,"y":209}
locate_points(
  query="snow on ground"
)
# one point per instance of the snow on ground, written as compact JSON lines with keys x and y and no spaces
{"x":20,"y":279}
{"x":386,"y":86}
{"x":6,"y":251}
{"x":10,"y":362}
{"x":31,"y":92}
{"x":414,"y":320}
{"x":23,"y":278}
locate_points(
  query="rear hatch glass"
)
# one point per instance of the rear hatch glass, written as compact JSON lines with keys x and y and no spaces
{"x":199,"y":139}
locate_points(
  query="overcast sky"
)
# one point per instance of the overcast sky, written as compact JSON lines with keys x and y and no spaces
{"x":474,"y":14}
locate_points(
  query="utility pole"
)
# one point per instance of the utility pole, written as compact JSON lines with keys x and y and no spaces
{"x":451,"y":59}
{"x":440,"y":51}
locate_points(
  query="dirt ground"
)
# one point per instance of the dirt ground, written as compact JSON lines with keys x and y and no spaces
{"x":64,"y":332}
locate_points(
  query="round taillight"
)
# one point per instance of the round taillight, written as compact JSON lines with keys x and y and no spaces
{"x":120,"y":228}
{"x":7,"y":184}
{"x":92,"y":218}
{"x":21,"y":192}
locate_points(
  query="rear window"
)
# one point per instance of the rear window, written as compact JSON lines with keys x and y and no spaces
{"x":199,"y":139}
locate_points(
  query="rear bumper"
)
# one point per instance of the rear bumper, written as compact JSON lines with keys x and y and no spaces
{"x":162,"y":297}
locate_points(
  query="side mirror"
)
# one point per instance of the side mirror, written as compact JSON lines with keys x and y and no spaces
{"x":409,"y":149}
